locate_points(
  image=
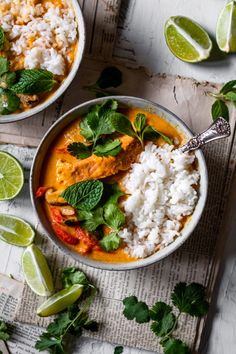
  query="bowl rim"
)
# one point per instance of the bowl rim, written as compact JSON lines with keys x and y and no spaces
{"x":17,"y":117}
{"x":157,"y":256}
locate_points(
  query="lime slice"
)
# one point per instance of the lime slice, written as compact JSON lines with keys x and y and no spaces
{"x":36,"y":271}
{"x":11,"y":176}
{"x":187,"y":40}
{"x":15,"y":231}
{"x":226,"y":28}
{"x":60,"y":301}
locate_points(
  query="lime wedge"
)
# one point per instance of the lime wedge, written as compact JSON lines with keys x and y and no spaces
{"x":11,"y":176}
{"x":15,"y":231}
{"x":36,"y":271}
{"x":60,"y":301}
{"x":226,"y":28}
{"x":187,"y":40}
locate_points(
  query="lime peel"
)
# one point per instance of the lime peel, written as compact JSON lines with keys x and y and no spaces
{"x":226,"y":28}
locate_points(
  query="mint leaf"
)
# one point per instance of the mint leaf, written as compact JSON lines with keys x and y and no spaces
{"x":9,"y":102}
{"x":190,"y":299}
{"x":109,"y":148}
{"x":118,"y":350}
{"x":140,"y":122}
{"x":72,"y":275}
{"x":7,"y":80}
{"x":113,"y":216}
{"x":175,"y":346}
{"x":165,"y":138}
{"x":109,"y":77}
{"x":110,"y":242}
{"x":4,"y":335}
{"x":230,"y":96}
{"x":122,"y":124}
{"x":91,"y":220}
{"x":135,"y":309}
{"x":228,"y":87}
{"x":34,"y":81}
{"x":219,"y":109}
{"x":84,"y":195}
{"x":79,"y":150}
{"x":150,"y":133}
{"x":4,"y":65}
{"x":2,"y":38}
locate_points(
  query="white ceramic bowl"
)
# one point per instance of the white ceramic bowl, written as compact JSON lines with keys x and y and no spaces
{"x":59,"y":126}
{"x":15,"y":117}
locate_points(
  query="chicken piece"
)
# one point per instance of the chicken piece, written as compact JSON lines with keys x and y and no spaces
{"x":53,"y":197}
{"x":28,"y":101}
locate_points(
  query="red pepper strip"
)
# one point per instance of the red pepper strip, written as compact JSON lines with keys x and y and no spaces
{"x":56,"y":215}
{"x":85,"y":237}
{"x":41,"y":192}
{"x":64,"y":236}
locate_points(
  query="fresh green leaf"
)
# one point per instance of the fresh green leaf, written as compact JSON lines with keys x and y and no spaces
{"x":113,"y":216}
{"x":175,"y":346}
{"x":228,"y":87}
{"x":84,"y":195}
{"x":164,"y":326}
{"x":110,"y":242}
{"x":165,"y":138}
{"x":190,"y":299}
{"x":109,"y":148}
{"x":118,"y":350}
{"x":112,"y":193}
{"x":72,"y":275}
{"x":9,"y":102}
{"x":7,"y":80}
{"x":122,"y":124}
{"x":230,"y":96}
{"x":159,"y":310}
{"x":2,"y":38}
{"x":140,"y":122}
{"x":219,"y":109}
{"x":85,"y":130}
{"x":79,"y":150}
{"x":150,"y":133}
{"x":91,"y":220}
{"x":58,"y":326}
{"x":91,"y":325}
{"x":136,"y":310}
{"x":34,"y":81}
{"x":4,"y":65}
{"x":107,"y":106}
{"x":4,"y":335}
{"x":109,"y":77}
{"x":47,"y":342}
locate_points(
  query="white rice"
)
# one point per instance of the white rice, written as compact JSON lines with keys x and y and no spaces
{"x":42,"y":33}
{"x":161,"y":188}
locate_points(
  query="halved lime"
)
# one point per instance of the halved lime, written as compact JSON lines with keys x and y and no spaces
{"x":60,"y":301}
{"x":187,"y":40}
{"x":15,"y":231}
{"x":36,"y":271}
{"x":226,"y":28}
{"x":11,"y":176}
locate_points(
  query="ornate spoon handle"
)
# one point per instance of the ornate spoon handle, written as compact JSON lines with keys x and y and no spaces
{"x":217,"y":130}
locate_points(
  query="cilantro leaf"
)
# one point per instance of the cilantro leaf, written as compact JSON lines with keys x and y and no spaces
{"x":135,"y":309}
{"x":118,"y":350}
{"x":4,"y":65}
{"x":109,"y":148}
{"x":57,"y":327}
{"x":190,"y":299}
{"x":159,"y":310}
{"x":113,"y":216}
{"x":110,"y":242}
{"x":91,"y":220}
{"x":175,"y":346}
{"x":72,"y":275}
{"x":79,"y":150}
{"x":109,"y":77}
{"x":219,"y":109}
{"x":122,"y":124}
{"x":9,"y":102}
{"x":85,"y":130}
{"x":84,"y":195}
{"x":4,"y":335}
{"x":91,"y":325}
{"x":164,"y":325}
{"x":2,"y":38}
{"x":33,"y":81}
{"x":47,"y":342}
{"x":140,"y":122}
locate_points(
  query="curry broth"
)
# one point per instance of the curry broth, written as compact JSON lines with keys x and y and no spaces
{"x":58,"y":152}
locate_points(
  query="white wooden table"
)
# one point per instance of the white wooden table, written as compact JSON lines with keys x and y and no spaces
{"x":141,"y":39}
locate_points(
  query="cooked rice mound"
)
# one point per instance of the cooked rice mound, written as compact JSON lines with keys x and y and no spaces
{"x":161,"y":187}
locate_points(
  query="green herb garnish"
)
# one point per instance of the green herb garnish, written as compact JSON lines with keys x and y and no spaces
{"x":2,"y":38}
{"x":4,"y":331}
{"x":110,"y":242}
{"x":79,"y":150}
{"x":72,"y":321}
{"x":118,"y":350}
{"x":189,"y":299}
{"x":34,"y":81}
{"x":108,"y":148}
{"x":7,"y":80}
{"x":4,"y":65}
{"x":9,"y":102}
{"x":226,"y":94}
{"x":109,"y":77}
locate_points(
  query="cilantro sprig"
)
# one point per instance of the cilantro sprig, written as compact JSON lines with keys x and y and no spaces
{"x":189,"y":299}
{"x":72,"y":321}
{"x":4,"y":331}
{"x":226,"y":94}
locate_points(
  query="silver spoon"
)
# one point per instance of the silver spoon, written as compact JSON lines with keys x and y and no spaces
{"x":217,"y":130}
